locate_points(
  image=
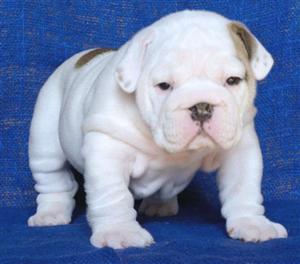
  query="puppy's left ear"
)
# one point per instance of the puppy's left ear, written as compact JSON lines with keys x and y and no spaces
{"x":129,"y":69}
{"x":260,"y":59}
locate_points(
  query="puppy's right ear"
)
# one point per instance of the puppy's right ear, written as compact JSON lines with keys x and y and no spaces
{"x":129,"y":69}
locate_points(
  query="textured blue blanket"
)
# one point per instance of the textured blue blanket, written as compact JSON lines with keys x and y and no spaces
{"x":36,"y":36}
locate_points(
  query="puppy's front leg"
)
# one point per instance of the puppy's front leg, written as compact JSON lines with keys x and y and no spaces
{"x":239,"y":181}
{"x":110,"y":203}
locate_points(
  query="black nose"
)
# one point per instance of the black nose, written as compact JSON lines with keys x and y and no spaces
{"x":201,"y":112}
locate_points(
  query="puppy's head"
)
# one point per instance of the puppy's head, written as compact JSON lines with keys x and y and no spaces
{"x":194,"y":75}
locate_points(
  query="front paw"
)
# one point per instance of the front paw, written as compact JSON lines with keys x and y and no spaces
{"x":49,"y":219}
{"x":254,"y":229}
{"x":122,"y":236}
{"x":52,"y":214}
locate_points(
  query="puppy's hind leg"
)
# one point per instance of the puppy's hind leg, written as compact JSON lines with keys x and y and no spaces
{"x":55,"y":184}
{"x":154,"y":207}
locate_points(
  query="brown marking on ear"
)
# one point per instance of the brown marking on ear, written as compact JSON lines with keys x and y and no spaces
{"x":245,"y":47}
{"x":246,"y":42}
{"x":89,"y":56}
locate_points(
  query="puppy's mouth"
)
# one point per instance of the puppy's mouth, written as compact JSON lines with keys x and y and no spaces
{"x":201,"y":133}
{"x":202,"y":116}
{"x":203,"y":125}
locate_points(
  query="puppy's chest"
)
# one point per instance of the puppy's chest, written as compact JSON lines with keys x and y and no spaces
{"x":162,"y":177}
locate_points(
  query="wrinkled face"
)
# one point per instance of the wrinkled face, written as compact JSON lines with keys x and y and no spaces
{"x":194,"y":97}
{"x":195,"y":88}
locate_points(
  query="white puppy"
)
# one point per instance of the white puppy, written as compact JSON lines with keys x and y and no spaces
{"x":140,"y":121}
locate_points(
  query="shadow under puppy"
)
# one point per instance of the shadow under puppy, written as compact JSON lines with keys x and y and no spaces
{"x":140,"y":121}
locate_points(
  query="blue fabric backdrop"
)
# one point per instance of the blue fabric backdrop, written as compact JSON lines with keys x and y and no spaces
{"x":36,"y":36}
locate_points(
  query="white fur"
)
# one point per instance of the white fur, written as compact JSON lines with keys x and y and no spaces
{"x":130,"y":140}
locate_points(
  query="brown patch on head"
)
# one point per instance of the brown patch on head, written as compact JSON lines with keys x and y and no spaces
{"x":89,"y":56}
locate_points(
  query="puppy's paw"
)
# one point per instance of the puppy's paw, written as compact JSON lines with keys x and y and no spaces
{"x":154,"y":208}
{"x":50,"y":214}
{"x":254,"y":229}
{"x":122,"y":236}
{"x":49,"y":219}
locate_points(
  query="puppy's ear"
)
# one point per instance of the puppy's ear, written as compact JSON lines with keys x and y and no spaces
{"x":129,"y":69}
{"x":260,"y":59}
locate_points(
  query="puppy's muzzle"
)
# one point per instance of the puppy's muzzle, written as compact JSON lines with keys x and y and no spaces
{"x":201,"y":112}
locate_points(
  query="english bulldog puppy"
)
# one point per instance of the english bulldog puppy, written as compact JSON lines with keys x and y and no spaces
{"x":140,"y":121}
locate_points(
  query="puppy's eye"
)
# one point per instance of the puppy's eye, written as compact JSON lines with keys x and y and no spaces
{"x":164,"y":86}
{"x":233,"y":80}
